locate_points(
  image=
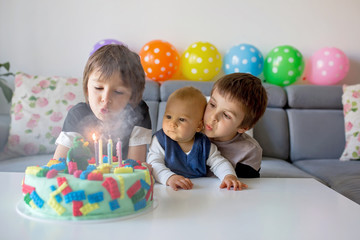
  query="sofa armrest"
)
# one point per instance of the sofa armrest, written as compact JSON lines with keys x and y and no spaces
{"x":4,"y":129}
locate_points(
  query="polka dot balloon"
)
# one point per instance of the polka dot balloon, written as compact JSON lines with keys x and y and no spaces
{"x":201,"y":61}
{"x":328,"y":66}
{"x":159,"y":59}
{"x":283,"y":66}
{"x":103,"y":43}
{"x":243,"y":58}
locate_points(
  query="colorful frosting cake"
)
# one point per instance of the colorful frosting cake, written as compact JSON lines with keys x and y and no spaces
{"x":75,"y":190}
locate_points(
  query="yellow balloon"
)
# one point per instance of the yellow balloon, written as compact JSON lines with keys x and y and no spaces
{"x":201,"y":61}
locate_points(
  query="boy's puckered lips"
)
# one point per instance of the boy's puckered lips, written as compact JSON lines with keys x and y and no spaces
{"x":104,"y":111}
{"x":208,"y":127}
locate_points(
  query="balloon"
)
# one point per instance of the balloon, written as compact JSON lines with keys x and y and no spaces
{"x":328,"y":66}
{"x":201,"y":61}
{"x":159,"y":59}
{"x":283,"y":66}
{"x":103,"y":43}
{"x":243,"y":58}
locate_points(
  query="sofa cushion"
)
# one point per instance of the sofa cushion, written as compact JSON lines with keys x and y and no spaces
{"x":162,"y":106}
{"x":272,"y":133}
{"x":153,"y":111}
{"x":151,"y":96}
{"x":278,"y":168}
{"x":348,"y":186}
{"x":314,"y":97}
{"x":151,"y":91}
{"x":39,"y":107}
{"x":351,"y":103}
{"x":342,"y":176}
{"x":316,"y":134}
{"x":276,"y":96}
{"x":329,"y":170}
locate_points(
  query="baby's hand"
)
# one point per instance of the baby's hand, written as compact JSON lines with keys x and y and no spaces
{"x":177,"y":181}
{"x":232,"y":181}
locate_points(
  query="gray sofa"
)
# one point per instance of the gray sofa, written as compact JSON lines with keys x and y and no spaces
{"x":301,"y":133}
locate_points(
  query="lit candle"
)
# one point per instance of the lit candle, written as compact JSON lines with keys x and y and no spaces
{"x":118,"y":151}
{"x":96,"y":147}
{"x":110,"y":150}
{"x":100,"y":151}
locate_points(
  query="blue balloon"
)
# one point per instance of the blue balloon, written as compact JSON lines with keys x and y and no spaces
{"x":243,"y":58}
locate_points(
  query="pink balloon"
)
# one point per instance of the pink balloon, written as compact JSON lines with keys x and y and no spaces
{"x":328,"y":66}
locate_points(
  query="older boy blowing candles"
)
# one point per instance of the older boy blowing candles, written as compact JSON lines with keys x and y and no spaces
{"x":113,"y":83}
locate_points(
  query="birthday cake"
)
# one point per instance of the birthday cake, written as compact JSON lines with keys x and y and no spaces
{"x":73,"y":189}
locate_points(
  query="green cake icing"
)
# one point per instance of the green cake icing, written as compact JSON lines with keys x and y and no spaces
{"x":76,"y":190}
{"x":124,"y":191}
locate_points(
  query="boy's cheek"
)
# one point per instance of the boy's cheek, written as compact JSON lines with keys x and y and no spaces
{"x":206,"y":116}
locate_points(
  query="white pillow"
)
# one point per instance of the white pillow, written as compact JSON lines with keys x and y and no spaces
{"x":351,"y":105}
{"x":39,"y":107}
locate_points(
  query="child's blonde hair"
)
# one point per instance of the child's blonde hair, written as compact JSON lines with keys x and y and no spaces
{"x":192,"y":95}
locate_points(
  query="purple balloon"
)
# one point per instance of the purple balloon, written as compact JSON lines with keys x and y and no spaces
{"x":105,"y":42}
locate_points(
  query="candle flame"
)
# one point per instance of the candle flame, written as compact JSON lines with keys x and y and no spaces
{"x":94,"y":137}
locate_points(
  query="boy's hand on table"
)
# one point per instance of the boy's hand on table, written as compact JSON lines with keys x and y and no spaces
{"x":232,"y":181}
{"x":178,"y":181}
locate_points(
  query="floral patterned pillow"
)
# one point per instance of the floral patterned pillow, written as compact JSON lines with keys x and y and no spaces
{"x":38,"y":110}
{"x":351,"y":105}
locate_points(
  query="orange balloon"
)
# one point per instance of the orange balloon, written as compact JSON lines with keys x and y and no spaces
{"x":159,"y":59}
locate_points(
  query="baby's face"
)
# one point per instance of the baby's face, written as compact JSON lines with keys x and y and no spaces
{"x":222,"y":118}
{"x":107,"y":98}
{"x":182,"y":120}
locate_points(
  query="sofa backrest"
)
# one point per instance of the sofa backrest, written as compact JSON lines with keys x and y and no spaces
{"x":316,"y":122}
{"x":151,"y":96}
{"x":271,"y":131}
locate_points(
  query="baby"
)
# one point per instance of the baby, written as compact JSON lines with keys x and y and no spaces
{"x":180,"y":151}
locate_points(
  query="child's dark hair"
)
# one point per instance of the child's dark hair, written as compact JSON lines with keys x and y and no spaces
{"x":247,"y":90}
{"x":112,"y":59}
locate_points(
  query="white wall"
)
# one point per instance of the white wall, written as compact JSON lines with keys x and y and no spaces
{"x":50,"y":37}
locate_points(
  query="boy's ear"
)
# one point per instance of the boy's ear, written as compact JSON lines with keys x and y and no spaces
{"x":200,"y":126}
{"x":242,"y":130}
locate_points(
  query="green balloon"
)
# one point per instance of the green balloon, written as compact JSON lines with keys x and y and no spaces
{"x":283,"y":65}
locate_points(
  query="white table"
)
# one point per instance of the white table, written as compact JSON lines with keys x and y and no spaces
{"x":272,"y":208}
